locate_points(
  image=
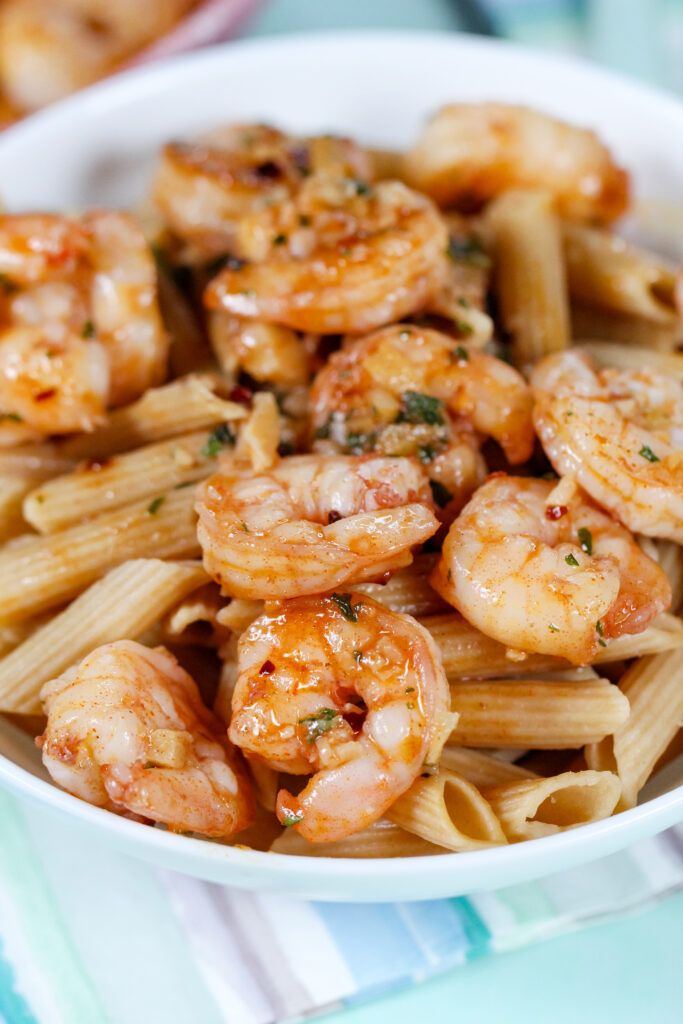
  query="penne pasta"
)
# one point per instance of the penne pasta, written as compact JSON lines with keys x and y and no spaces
{"x":607,"y":325}
{"x":631,"y":357}
{"x":533,"y":808}
{"x":123,"y":604}
{"x":480,"y":768}
{"x":529,"y":273}
{"x":381,"y":839}
{"x":654,"y":689}
{"x":670,"y":557}
{"x":42,"y":572}
{"x":468,"y":654}
{"x":260,"y":434}
{"x":195,"y":619}
{"x":447,"y":810}
{"x":409,"y":590}
{"x":97,"y":486}
{"x":535,"y":713}
{"x":187,"y":404}
{"x":604,"y":270}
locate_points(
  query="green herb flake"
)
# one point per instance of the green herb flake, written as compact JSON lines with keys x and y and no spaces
{"x":184,"y":484}
{"x":410,"y":706}
{"x":462,"y":327}
{"x":553,"y":628}
{"x":348,"y":610}
{"x":358,"y":655}
{"x":147,"y":765}
{"x":648,"y":454}
{"x":585,"y":540}
{"x":405,"y":334}
{"x":323,"y":431}
{"x":10,"y":417}
{"x":460,"y":355}
{"x":345,"y":251}
{"x":599,"y":628}
{"x":426,"y":453}
{"x":304,"y":220}
{"x":449,"y":575}
{"x":155,"y":505}
{"x":222,"y":435}
{"x":571,"y":560}
{"x":280,"y":239}
{"x":244,"y":527}
{"x":361,"y":188}
{"x":291,"y":819}
{"x":602,"y":643}
{"x":419,"y":408}
{"x":88,"y":329}
{"x":440,"y":493}
{"x":468,"y":250}
{"x":358,"y":443}
{"x":318,"y":724}
{"x":410,"y":689}
{"x":569,"y":412}
{"x":462,"y":301}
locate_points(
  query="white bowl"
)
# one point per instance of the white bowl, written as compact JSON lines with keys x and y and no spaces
{"x":98,"y":148}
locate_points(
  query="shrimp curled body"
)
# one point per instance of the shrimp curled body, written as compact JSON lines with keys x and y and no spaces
{"x":345,"y":689}
{"x":469,"y":153}
{"x":560,"y":579}
{"x":312,"y":523}
{"x":620,"y":433}
{"x":127,"y":730}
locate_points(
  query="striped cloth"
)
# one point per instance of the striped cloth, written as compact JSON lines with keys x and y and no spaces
{"x":88,"y":936}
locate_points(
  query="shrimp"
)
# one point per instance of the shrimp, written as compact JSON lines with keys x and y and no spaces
{"x":80,"y":328}
{"x":127,"y":730}
{"x":620,"y":432}
{"x":407,"y":390}
{"x":542,"y":569}
{"x":311,"y":524}
{"x":342,"y":256}
{"x":49,"y":48}
{"x":204,"y":188}
{"x":469,"y":153}
{"x":345,"y":689}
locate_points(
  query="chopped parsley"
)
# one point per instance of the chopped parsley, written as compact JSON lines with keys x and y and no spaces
{"x":419,"y":408}
{"x":468,"y":250}
{"x":304,"y":220}
{"x":553,"y":628}
{"x":323,"y":431}
{"x":449,"y":575}
{"x":571,"y":560}
{"x":88,"y":329}
{"x":280,"y":239}
{"x":410,"y":706}
{"x":155,"y":505}
{"x":222,"y":435}
{"x":462,"y":301}
{"x":463,"y":327}
{"x":600,"y":630}
{"x":184,"y":484}
{"x":244,"y":526}
{"x":440,"y":493}
{"x":348,"y":610}
{"x":410,"y":689}
{"x":460,"y":354}
{"x":357,"y":442}
{"x":358,"y":655}
{"x":648,"y":454}
{"x":361,"y":188}
{"x":10,"y":417}
{"x":404,"y":334}
{"x":318,"y":724}
{"x":585,"y":540}
{"x":426,"y":453}
{"x":291,"y":819}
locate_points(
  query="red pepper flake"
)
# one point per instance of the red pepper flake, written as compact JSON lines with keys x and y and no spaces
{"x":333,"y":516}
{"x":267,"y":668}
{"x":556,"y":511}
{"x":43,"y":396}
{"x":241,"y":395}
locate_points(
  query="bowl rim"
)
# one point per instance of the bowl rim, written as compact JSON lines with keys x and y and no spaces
{"x":124,"y":88}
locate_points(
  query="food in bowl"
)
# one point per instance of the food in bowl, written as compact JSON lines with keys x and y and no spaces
{"x":440,"y":535}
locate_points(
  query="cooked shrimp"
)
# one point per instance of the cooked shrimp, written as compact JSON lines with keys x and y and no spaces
{"x":346,"y":689}
{"x":342,"y":256}
{"x":80,"y":329}
{"x":468,"y":153}
{"x":269,"y":353}
{"x":49,"y":48}
{"x":126,"y":730}
{"x":547,"y":572}
{"x":203,"y":188}
{"x":311,"y":524}
{"x":407,"y":390}
{"x":620,"y":432}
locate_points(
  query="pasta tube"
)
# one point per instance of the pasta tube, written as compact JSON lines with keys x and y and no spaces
{"x":447,"y":810}
{"x":121,"y":479}
{"x":530,"y":273}
{"x":381,"y":839}
{"x":187,"y":404}
{"x":42,"y":572}
{"x":632,"y":357}
{"x":654,"y":689}
{"x":550,"y":715}
{"x":533,"y":808}
{"x":122,"y":605}
{"x":480,"y":768}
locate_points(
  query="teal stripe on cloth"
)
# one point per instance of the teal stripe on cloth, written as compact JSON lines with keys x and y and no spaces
{"x":13,"y":1007}
{"x":44,"y":928}
{"x":477,"y":932}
